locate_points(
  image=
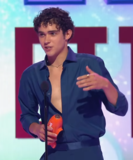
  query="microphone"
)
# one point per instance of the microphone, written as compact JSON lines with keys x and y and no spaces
{"x":44,"y":88}
{"x":56,"y":123}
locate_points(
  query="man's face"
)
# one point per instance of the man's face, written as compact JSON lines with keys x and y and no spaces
{"x":52,"y":39}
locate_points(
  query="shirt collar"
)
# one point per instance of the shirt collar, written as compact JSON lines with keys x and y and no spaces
{"x":71,"y":56}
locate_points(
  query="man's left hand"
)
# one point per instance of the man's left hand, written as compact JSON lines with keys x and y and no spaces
{"x":91,"y":81}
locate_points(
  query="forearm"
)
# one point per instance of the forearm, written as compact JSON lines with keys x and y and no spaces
{"x":110,"y":92}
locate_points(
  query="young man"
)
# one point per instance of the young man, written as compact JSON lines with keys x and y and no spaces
{"x":78,"y":83}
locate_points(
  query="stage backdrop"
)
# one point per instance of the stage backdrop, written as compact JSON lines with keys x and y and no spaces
{"x":117,"y":143}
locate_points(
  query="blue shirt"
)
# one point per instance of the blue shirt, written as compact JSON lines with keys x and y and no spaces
{"x":82,"y":115}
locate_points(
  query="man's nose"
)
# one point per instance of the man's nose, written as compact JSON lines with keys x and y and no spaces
{"x":47,"y":39}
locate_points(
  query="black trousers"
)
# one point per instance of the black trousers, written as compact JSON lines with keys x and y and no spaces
{"x":82,"y":153}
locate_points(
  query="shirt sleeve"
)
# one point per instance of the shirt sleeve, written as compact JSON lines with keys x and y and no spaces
{"x":121,"y":106}
{"x":28,"y":104}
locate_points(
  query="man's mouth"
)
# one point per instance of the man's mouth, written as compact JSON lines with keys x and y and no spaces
{"x":48,"y":48}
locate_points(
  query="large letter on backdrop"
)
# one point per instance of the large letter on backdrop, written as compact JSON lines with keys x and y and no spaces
{"x":85,"y":37}
{"x":126,"y":36}
{"x":24,"y":38}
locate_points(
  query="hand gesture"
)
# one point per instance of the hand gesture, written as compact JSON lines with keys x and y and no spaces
{"x":91,"y":81}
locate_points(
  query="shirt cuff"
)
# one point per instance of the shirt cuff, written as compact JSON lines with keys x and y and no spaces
{"x":26,"y":121}
{"x":121,"y":106}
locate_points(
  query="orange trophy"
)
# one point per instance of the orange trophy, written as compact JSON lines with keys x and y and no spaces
{"x":56,"y":123}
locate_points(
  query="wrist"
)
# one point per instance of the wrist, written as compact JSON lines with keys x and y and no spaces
{"x":105,"y":84}
{"x":34,"y":128}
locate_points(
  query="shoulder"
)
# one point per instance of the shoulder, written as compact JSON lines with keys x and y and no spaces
{"x":94,"y":62}
{"x":33,"y":69}
{"x":89,"y":58}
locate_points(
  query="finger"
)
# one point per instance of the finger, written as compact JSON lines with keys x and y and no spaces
{"x":88,"y":88}
{"x":42,"y":137}
{"x":89,"y":70}
{"x":49,"y":128}
{"x":51,"y":139}
{"x":83,"y":77}
{"x":41,"y":131}
{"x":42,"y":128}
{"x":52,"y":135}
{"x":49,"y":133}
{"x":84,"y":82}
{"x":87,"y":84}
{"x":87,"y":80}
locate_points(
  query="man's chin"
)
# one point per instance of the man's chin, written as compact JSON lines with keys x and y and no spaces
{"x":51,"y":54}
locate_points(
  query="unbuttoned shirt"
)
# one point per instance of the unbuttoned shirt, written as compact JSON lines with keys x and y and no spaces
{"x":82,"y":114}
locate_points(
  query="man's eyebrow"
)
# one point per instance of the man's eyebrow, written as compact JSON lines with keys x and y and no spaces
{"x":48,"y":31}
{"x":53,"y":31}
{"x":41,"y":32}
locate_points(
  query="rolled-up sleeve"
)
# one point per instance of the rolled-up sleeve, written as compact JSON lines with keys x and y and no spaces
{"x":28,"y":104}
{"x":121,"y":106}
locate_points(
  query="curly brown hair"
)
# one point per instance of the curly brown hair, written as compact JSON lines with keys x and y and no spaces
{"x":54,"y":16}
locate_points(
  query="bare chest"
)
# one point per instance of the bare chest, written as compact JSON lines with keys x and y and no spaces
{"x":55,"y":80}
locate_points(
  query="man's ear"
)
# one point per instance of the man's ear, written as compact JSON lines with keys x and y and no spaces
{"x":68,"y":34}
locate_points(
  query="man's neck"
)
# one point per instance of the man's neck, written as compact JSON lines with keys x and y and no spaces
{"x":58,"y":60}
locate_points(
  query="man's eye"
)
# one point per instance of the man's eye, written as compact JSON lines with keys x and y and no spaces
{"x":53,"y":33}
{"x":41,"y":34}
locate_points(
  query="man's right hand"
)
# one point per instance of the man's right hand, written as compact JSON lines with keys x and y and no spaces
{"x":39,"y":130}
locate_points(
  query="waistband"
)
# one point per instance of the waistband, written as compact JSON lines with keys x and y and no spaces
{"x":77,"y":145}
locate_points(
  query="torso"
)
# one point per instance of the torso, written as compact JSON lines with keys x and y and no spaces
{"x":55,"y":79}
